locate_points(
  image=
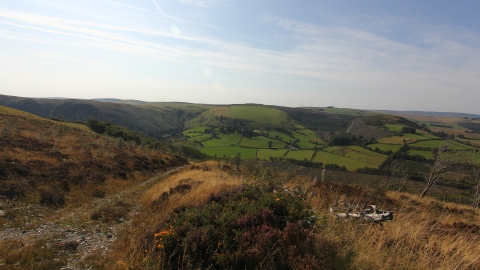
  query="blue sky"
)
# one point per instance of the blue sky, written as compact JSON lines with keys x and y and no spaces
{"x":399,"y":55}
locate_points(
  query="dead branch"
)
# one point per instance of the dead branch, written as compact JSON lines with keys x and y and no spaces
{"x":367,"y":215}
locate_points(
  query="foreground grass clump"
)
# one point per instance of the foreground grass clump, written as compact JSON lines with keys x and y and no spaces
{"x":242,"y":228}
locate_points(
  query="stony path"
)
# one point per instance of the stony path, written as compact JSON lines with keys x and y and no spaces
{"x":77,"y":230}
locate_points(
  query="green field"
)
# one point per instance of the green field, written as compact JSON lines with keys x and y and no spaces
{"x":281,"y":136}
{"x":396,"y":140}
{"x":300,"y":154}
{"x":304,"y":142}
{"x":200,"y":138}
{"x":311,"y":136}
{"x":265,"y":154}
{"x":261,"y":142}
{"x":347,"y":111}
{"x":436,"y":144}
{"x":416,"y":136}
{"x":426,"y":135}
{"x":260,"y":114}
{"x":194,"y":131}
{"x":358,"y":154}
{"x":330,"y":158}
{"x":457,"y":145}
{"x":223,"y":140}
{"x":386,"y":147}
{"x":229,"y":151}
{"x":191,"y":144}
{"x":426,"y":154}
{"x":367,"y":156}
{"x":432,"y":144}
{"x":204,"y":119}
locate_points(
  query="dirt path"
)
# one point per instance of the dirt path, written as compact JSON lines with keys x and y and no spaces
{"x":74,"y":226}
{"x":353,"y":123}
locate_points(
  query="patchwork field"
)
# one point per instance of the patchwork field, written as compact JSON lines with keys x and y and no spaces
{"x":279,"y":136}
{"x":396,"y":140}
{"x":229,"y":151}
{"x":305,"y":141}
{"x":448,"y":125}
{"x":330,"y":158}
{"x":311,"y":135}
{"x":426,"y":154}
{"x":223,"y":140}
{"x":200,"y":138}
{"x":473,"y":142}
{"x":300,"y":154}
{"x":386,"y":147}
{"x":358,"y":154}
{"x":261,"y":142}
{"x":436,"y":143}
{"x":265,"y":154}
{"x":194,"y":131}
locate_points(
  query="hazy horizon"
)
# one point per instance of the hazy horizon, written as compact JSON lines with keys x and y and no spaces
{"x":256,"y":103}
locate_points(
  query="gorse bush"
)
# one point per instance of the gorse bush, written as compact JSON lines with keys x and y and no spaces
{"x":244,"y":228}
{"x":52,"y":197}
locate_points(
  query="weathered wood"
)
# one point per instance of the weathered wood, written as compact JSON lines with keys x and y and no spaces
{"x":367,"y":215}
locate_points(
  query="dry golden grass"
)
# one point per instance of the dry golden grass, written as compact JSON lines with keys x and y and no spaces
{"x":40,"y":156}
{"x":425,"y":234}
{"x":206,"y":178}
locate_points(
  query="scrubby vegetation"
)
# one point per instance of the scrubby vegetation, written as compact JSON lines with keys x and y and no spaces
{"x":233,"y":213}
{"x":257,"y":225}
{"x":50,"y":159}
{"x":241,"y":228}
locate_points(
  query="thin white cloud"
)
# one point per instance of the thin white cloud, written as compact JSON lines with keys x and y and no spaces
{"x":345,"y":58}
{"x":158,"y":7}
{"x":178,"y":19}
{"x":208,"y":3}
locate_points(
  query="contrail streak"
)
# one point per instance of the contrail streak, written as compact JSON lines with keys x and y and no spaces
{"x":194,"y":22}
{"x":159,"y":8}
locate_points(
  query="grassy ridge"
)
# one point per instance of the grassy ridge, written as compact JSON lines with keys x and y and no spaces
{"x":260,"y":115}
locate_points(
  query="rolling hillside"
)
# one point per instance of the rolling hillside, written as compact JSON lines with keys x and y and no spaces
{"x":254,"y":130}
{"x":150,"y":122}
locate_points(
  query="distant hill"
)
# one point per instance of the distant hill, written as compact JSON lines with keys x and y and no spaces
{"x":350,"y":139}
{"x":123,"y":101}
{"x":151,"y":122}
{"x":440,"y":114}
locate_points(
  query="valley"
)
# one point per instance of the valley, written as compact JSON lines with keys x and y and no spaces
{"x":98,"y":195}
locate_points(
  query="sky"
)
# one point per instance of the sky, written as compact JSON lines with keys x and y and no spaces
{"x":369,"y":54}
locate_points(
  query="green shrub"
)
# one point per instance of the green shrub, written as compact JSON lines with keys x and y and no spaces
{"x":244,"y":228}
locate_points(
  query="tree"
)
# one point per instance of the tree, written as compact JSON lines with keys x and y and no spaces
{"x":270,"y":144}
{"x":442,"y":159}
{"x":472,"y":162}
{"x":399,"y":175}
